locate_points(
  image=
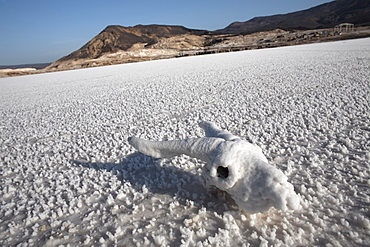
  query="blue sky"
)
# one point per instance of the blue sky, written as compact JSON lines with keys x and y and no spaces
{"x":38,"y":31}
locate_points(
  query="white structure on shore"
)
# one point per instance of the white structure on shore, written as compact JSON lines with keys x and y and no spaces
{"x":344,"y":28}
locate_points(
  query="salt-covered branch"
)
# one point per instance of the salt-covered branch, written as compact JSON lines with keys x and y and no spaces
{"x":233,"y":165}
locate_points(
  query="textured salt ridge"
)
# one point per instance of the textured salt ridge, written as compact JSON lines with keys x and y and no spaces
{"x":68,"y":176}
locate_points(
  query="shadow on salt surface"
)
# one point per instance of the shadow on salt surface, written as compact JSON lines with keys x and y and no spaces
{"x":147,"y":173}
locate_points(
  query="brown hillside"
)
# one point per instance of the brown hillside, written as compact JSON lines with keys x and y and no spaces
{"x":118,"y":38}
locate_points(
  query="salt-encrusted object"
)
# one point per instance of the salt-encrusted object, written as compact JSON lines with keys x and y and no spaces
{"x":233,"y":165}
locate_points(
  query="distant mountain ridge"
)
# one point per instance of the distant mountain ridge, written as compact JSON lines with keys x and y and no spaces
{"x":118,"y":44}
{"x":322,"y":16}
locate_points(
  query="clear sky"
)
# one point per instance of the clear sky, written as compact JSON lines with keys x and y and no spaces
{"x":39,"y":31}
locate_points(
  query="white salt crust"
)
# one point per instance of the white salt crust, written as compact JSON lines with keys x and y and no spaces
{"x":70,"y":178}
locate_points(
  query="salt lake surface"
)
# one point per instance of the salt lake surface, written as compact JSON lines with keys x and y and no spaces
{"x":69,"y":177}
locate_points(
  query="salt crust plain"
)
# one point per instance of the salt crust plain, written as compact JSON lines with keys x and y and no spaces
{"x":69,"y":176}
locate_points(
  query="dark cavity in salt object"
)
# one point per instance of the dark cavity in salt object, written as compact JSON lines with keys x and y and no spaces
{"x":222,"y":172}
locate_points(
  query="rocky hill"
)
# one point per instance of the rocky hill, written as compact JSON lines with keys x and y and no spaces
{"x":322,"y":16}
{"x":118,"y":39}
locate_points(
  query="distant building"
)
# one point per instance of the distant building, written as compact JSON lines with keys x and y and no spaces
{"x":344,"y":28}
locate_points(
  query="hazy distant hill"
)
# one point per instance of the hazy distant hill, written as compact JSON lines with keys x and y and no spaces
{"x":322,"y":16}
{"x":36,"y":66}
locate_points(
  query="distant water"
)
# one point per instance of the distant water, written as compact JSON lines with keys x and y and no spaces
{"x":36,"y":66}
